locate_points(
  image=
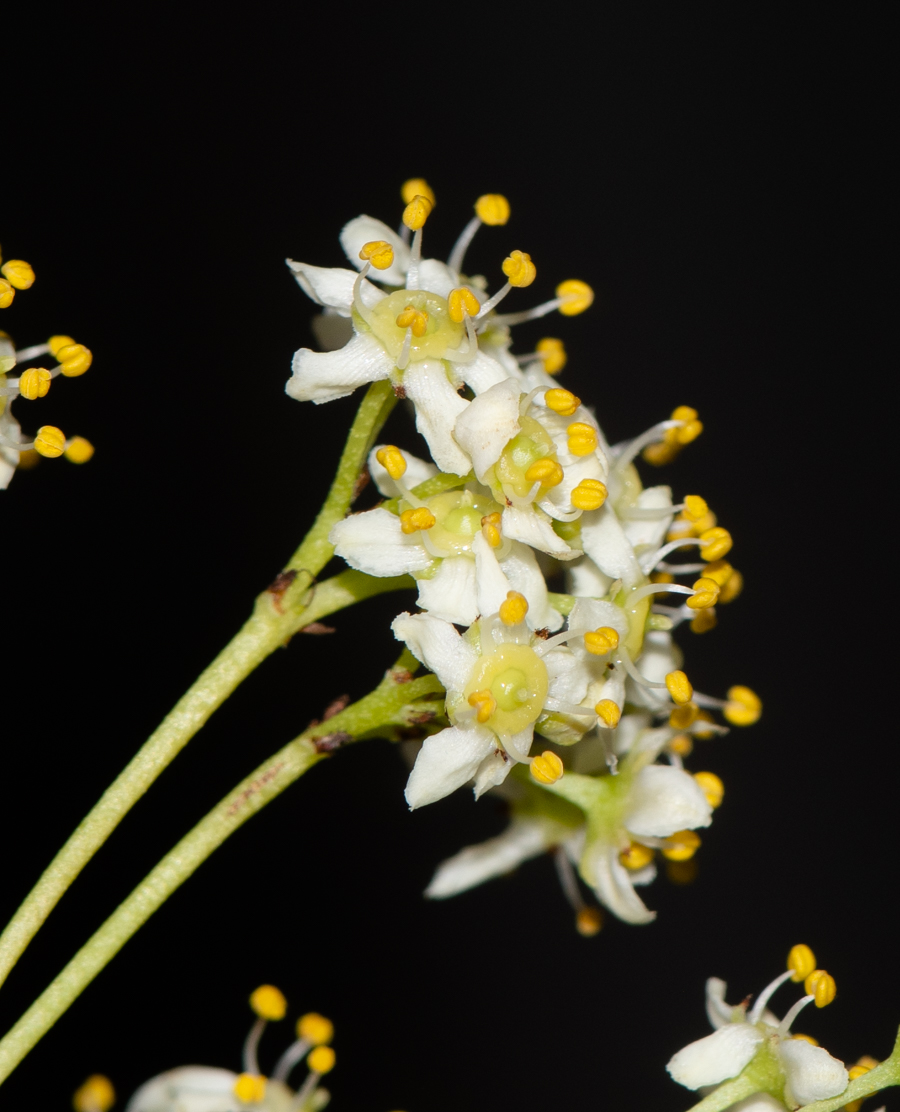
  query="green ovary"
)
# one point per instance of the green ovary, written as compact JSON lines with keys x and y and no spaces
{"x":458,"y":515}
{"x":531,"y":443}
{"x":517,"y":678}
{"x":441,"y":333}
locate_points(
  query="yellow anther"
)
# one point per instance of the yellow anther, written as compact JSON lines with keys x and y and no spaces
{"x":679,"y":687}
{"x":576,"y":297}
{"x":706,"y":593}
{"x":608,"y":713}
{"x":553,"y":353}
{"x":74,"y":360}
{"x":485,"y":703}
{"x":715,"y":543}
{"x":250,"y":1088}
{"x":545,"y":471}
{"x":28,"y":459}
{"x":315,"y":1028}
{"x":732,"y":587}
{"x":820,"y":985}
{"x":50,"y":441}
{"x":79,"y":450}
{"x":701,"y":730}
{"x":719,"y":570}
{"x":392,"y":460}
{"x":682,"y":745}
{"x":854,"y":1071}
{"x":57,"y":342}
{"x":743,"y":707}
{"x":812,"y":1042}
{"x":601,"y":641}
{"x":461,"y":302}
{"x":680,"y":529}
{"x":801,"y":962}
{"x":519,"y":269}
{"x":563,"y":402}
{"x":682,"y":846}
{"x":18,"y":273}
{"x":7,"y":293}
{"x":34,"y":383}
{"x":268,"y":1002}
{"x":377,"y":252}
{"x":711,"y":786}
{"x":492,"y":208}
{"x":321,"y":1060}
{"x":636,"y":856}
{"x":683,"y":716}
{"x":415,"y":319}
{"x":582,"y":438}
{"x":417,"y":212}
{"x":695,"y":507}
{"x":662,"y":577}
{"x":547,"y":768}
{"x":95,"y":1095}
{"x":417,"y":187}
{"x":660,"y":453}
{"x":513,"y":608}
{"x":691,"y":428}
{"x":588,"y":921}
{"x":411,"y":521}
{"x":704,"y":620}
{"x":681,"y":872}
{"x":590,"y":494}
{"x":867,"y":1062}
{"x":490,"y":528}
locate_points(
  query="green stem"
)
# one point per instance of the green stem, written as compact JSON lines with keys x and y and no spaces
{"x":286,"y":607}
{"x":391,"y":703}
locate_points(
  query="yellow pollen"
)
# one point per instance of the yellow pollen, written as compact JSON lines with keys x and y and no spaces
{"x":711,"y":786}
{"x":95,"y":1095}
{"x":576,"y":297}
{"x":588,"y":921}
{"x":590,"y":494}
{"x":417,"y":187}
{"x":563,"y":402}
{"x":662,"y":577}
{"x":411,"y":521}
{"x":868,"y":1062}
{"x":79,"y":450}
{"x":691,"y":428}
{"x":683,"y":716}
{"x":601,"y":641}
{"x":50,"y":441}
{"x":460,"y":303}
{"x":414,"y":319}
{"x":679,"y":687}
{"x":268,"y":1002}
{"x":743,"y":707}
{"x":732,"y":587}
{"x":391,"y":459}
{"x":715,"y":543}
{"x":513,"y":608}
{"x":682,"y":846}
{"x":553,"y":353}
{"x":18,"y":273}
{"x":315,"y":1028}
{"x":682,"y":745}
{"x":812,"y":1042}
{"x":719,"y":570}
{"x":417,"y":212}
{"x":492,"y":208}
{"x":519,"y":269}
{"x":706,"y":592}
{"x":7,"y":293}
{"x":636,"y":856}
{"x":820,"y":985}
{"x":57,"y":342}
{"x":695,"y":507}
{"x":250,"y":1088}
{"x":609,"y":713}
{"x":34,"y":383}
{"x":377,"y":252}
{"x":801,"y":962}
{"x":74,"y":360}
{"x":547,"y":768}
{"x":490,"y":528}
{"x":704,"y":621}
{"x":486,"y":704}
{"x":321,"y":1060}
{"x":582,"y":438}
{"x":545,"y":471}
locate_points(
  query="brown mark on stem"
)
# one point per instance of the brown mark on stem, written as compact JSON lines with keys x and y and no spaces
{"x":278,"y":586}
{"x":254,"y":788}
{"x":327,"y":743}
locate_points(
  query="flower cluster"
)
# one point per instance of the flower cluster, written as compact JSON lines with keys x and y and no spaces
{"x":522,"y":486}
{"x":72,"y":360}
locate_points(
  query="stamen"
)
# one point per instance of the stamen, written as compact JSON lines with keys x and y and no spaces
{"x":657,"y":589}
{"x":417,"y":187}
{"x":462,"y":303}
{"x":250,"y":1088}
{"x":379,"y":253}
{"x":513,"y":608}
{"x":563,"y":402}
{"x":294,"y":1053}
{"x":321,"y":1060}
{"x":491,"y":208}
{"x":636,"y":856}
{"x":627,"y":451}
{"x":415,"y":319}
{"x":50,"y":442}
{"x":759,"y":1005}
{"x":801,"y":962}
{"x":679,"y":687}
{"x":392,"y":460}
{"x":24,"y":354}
{"x":820,"y":985}
{"x":95,"y":1095}
{"x":7,"y":293}
{"x":681,"y":846}
{"x":18,"y":273}
{"x":490,"y":528}
{"x":625,"y":660}
{"x":601,"y":641}
{"x":575,"y":296}
{"x":34,"y":383}
{"x":582,"y":438}
{"x":414,"y":216}
{"x":743,"y":707}
{"x":785,"y":1025}
{"x":706,"y":593}
{"x":553,"y":353}
{"x":485,"y":705}
{"x":711,"y":786}
{"x":420,"y":518}
{"x":78,"y":450}
{"x":251,"y":1063}
{"x":590,"y":494}
{"x":403,"y":358}
{"x":74,"y":359}
{"x":546,"y":472}
{"x":608,"y":714}
{"x":357,"y":295}
{"x":547,"y":768}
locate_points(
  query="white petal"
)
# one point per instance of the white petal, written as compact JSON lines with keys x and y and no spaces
{"x":569,"y":675}
{"x":323,"y":376}
{"x":521,"y":568}
{"x":450,"y":593}
{"x":492,"y":771}
{"x":447,"y":761}
{"x":605,"y":542}
{"x":717,"y":1010}
{"x":437,"y":408}
{"x":532,"y":527}
{"x":333,"y":286}
{"x":365,"y":229}
{"x":719,"y":1056}
{"x":437,"y":277}
{"x":417,"y":471}
{"x":589,"y":613}
{"x":188,"y":1089}
{"x":759,"y":1102}
{"x":491,"y":584}
{"x":812,"y":1074}
{"x":489,"y":423}
{"x":609,"y":878}
{"x":483,"y":373}
{"x":585,"y":578}
{"x":373,"y":542}
{"x":658,"y":657}
{"x":440,"y":648}
{"x":523,"y":838}
{"x":663,"y":800}
{"x":650,"y":534}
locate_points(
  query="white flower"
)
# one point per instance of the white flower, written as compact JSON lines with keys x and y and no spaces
{"x":203,"y":1089}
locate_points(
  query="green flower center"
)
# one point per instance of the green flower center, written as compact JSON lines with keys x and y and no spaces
{"x":517,"y":679}
{"x":530,"y":444}
{"x":441,"y":333}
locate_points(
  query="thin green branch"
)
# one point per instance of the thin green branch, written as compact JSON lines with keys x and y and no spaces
{"x":393,"y":702}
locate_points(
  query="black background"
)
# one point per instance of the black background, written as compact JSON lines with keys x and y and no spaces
{"x":720,"y":177}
